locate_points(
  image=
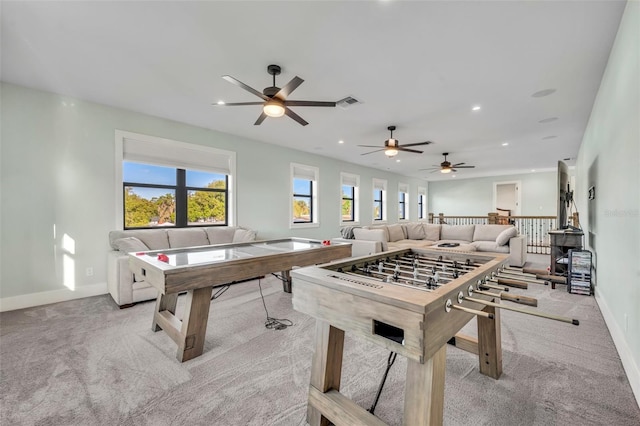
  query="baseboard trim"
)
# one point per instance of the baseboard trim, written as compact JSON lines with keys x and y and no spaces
{"x":628,"y":363}
{"x":53,"y":296}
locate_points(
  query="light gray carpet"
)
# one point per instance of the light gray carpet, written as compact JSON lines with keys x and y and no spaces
{"x":86,"y":362}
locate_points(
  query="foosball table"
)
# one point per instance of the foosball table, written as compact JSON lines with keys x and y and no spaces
{"x":411,"y":302}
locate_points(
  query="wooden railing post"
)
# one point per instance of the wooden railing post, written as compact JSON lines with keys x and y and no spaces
{"x":441,"y":218}
{"x":430,"y":217}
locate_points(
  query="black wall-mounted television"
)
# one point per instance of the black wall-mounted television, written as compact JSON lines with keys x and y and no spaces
{"x":565,"y":196}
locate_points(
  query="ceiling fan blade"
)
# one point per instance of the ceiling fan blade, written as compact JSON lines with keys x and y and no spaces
{"x":260,"y":119}
{"x":310,"y":103}
{"x":453,"y":170}
{"x":245,"y":87}
{"x":370,"y":146}
{"x":431,"y":168}
{"x":371,"y":152}
{"x":457,"y":164}
{"x":465,"y":167}
{"x":239,"y":103}
{"x":436,"y":170}
{"x":417,"y":143}
{"x":289,"y":87}
{"x":402,"y":148}
{"x":295,"y":116}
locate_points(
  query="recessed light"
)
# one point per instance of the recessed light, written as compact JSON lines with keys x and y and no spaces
{"x":476,"y":108}
{"x":340,"y":141}
{"x":548,"y":120}
{"x":549,"y":137}
{"x":505,"y":143}
{"x":397,"y":161}
{"x":453,"y":176}
{"x":533,"y":170}
{"x":543,"y":93}
{"x":220,"y":102}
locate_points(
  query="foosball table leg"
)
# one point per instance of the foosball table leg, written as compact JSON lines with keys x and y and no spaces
{"x":286,"y":281}
{"x":490,"y":343}
{"x":326,"y":367}
{"x":424,"y":390}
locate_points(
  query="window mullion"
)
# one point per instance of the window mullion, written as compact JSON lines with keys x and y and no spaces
{"x":181,"y":198}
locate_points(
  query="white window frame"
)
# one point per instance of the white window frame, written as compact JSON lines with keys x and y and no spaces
{"x":422,"y":192}
{"x":148,"y":149}
{"x":351,"y":180}
{"x":404,"y":188}
{"x":312,"y":173}
{"x":382,"y":185}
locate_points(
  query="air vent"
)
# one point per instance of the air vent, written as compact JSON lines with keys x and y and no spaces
{"x":347,"y":102}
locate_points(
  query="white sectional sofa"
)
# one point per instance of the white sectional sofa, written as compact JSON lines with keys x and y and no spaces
{"x":127,"y":289}
{"x":482,"y":238}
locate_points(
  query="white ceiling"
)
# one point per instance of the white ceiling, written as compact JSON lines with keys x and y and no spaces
{"x":419,"y":65}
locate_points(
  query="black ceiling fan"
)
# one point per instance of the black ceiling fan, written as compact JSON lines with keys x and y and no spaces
{"x":275,"y":99}
{"x":392,"y":146}
{"x":447,"y":167}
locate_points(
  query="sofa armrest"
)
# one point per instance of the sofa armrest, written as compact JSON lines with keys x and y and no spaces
{"x":361,"y":247}
{"x":119,"y":278}
{"x":518,"y":250}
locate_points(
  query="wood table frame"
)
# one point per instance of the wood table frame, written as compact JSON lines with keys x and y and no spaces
{"x":199,"y":280}
{"x":341,"y":303}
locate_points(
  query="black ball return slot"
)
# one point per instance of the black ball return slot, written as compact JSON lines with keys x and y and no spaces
{"x":388,"y":331}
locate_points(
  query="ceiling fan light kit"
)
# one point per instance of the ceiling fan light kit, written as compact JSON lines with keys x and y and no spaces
{"x":273,"y":108}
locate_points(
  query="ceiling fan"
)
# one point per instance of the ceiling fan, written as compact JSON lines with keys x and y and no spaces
{"x":392,"y":146}
{"x":275,"y":99}
{"x":447,"y":167}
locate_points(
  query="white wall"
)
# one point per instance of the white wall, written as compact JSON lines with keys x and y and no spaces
{"x":609,"y":159}
{"x":58,"y":175}
{"x":474,"y":197}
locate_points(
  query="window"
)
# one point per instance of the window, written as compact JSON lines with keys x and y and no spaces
{"x":304,"y":195}
{"x":165,"y":183}
{"x":349,"y":186}
{"x":379,"y":202}
{"x":169,"y":196}
{"x":403,"y":201}
{"x":422,"y":203}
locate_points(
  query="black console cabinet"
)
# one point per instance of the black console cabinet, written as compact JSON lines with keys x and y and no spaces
{"x":561,"y":241}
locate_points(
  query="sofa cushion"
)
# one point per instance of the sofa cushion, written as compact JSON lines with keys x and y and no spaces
{"x":383,"y":227}
{"x":490,"y":246}
{"x":155,"y":239}
{"x":504,"y":237}
{"x":457,"y":232}
{"x":129,"y":244}
{"x":488,"y":232}
{"x":415,"y":231}
{"x":220,"y":234}
{"x":244,"y":235}
{"x":432,"y":231}
{"x":396,"y":233}
{"x":187,"y":237}
{"x":371,"y":235}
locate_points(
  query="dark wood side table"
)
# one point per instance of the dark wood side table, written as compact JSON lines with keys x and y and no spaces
{"x":561,"y":241}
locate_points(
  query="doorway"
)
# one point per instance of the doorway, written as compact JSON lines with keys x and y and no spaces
{"x":506,"y":196}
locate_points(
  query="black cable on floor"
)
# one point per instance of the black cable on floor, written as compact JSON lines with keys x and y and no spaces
{"x":273,"y":323}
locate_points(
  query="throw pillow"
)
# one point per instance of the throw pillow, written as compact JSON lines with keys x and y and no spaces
{"x":130,"y":244}
{"x":504,"y":237}
{"x":244,"y":235}
{"x":395,"y":233}
{"x":415,"y":231}
{"x":432,"y":231}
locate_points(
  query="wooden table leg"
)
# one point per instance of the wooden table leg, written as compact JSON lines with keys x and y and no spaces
{"x":164,"y":302}
{"x":286,"y":281}
{"x":194,"y":324}
{"x":326,"y":367}
{"x":424,"y":390}
{"x":490,"y":343}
